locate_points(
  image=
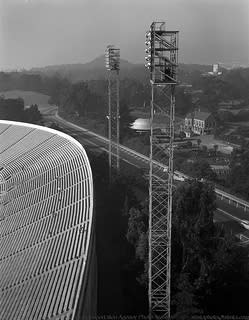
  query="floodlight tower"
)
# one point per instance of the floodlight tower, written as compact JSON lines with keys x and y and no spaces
{"x":162,"y":61}
{"x":112,"y":59}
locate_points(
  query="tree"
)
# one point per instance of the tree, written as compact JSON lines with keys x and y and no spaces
{"x":12,"y":109}
{"x":125,"y":120}
{"x":215,"y":149}
{"x":238,"y":179}
{"x":204,"y":148}
{"x":198,"y":143}
{"x":199,"y":169}
{"x":183,"y":102}
{"x":136,"y":225}
{"x":208,"y":264}
{"x":193,"y":215}
{"x":32,"y":114}
{"x":227,"y":278}
{"x":185,"y":300}
{"x":206,"y":261}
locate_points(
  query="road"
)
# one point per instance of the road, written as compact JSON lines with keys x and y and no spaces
{"x":227,"y":213}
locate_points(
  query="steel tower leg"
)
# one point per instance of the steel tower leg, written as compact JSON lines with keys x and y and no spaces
{"x":150,"y":203}
{"x":112,"y":64}
{"x":160,"y":215}
{"x":117,"y":122}
{"x":162,"y":49}
{"x":109,"y":128}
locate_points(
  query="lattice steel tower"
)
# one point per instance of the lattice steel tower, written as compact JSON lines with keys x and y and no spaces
{"x":112,"y":59}
{"x":162,"y":61}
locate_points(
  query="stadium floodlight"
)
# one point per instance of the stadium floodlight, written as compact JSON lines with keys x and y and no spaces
{"x":148,"y":35}
{"x":112,"y":58}
{"x":148,"y":50}
{"x":162,"y":61}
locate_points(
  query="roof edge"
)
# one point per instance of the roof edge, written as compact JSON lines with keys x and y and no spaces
{"x":50,"y":130}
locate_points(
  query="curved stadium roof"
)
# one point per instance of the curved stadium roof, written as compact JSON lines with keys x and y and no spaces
{"x":46,"y":218}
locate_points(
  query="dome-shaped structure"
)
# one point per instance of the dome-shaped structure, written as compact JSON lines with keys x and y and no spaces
{"x":160,"y":122}
{"x":141,"y":124}
{"x":47,"y":257}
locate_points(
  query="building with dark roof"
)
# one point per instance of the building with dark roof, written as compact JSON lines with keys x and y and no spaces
{"x":47,"y":240}
{"x":199,"y":122}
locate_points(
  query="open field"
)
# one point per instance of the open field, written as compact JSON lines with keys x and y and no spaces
{"x":210,"y":141}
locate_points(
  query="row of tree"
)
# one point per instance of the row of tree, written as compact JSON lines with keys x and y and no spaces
{"x":231,"y":85}
{"x":13,"y":109}
{"x":31,"y":82}
{"x":237,"y":179}
{"x":88,"y":97}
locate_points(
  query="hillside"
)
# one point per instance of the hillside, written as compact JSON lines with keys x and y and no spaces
{"x":95,"y":70}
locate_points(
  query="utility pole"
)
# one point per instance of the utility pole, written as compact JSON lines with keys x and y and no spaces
{"x":112,"y":61}
{"x":162,"y":62}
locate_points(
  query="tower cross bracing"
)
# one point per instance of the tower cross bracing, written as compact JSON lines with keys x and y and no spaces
{"x":162,"y":61}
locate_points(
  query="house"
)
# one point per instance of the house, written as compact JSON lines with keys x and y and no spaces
{"x":199,"y":122}
{"x":220,"y":170}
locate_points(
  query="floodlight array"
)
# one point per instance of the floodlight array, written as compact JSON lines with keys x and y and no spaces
{"x":148,"y":50}
{"x":161,"y":54}
{"x":112,"y":58}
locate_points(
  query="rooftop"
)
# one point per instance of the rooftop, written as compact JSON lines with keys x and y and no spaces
{"x":46,"y":209}
{"x":199,"y":115}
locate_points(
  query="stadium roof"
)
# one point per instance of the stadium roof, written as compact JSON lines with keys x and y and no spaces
{"x":46,"y":222}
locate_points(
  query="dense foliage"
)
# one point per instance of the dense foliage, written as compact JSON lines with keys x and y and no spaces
{"x":32,"y":114}
{"x":31,"y":82}
{"x":118,"y":291}
{"x":86,"y":97}
{"x":232,"y":84}
{"x":199,"y":169}
{"x":238,"y":180}
{"x":207,"y":262}
{"x":210,"y":271}
{"x":13,"y":109}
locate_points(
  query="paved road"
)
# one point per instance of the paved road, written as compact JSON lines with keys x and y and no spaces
{"x":226,"y":213}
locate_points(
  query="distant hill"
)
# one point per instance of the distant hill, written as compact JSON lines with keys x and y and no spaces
{"x":96,"y":70}
{"x":93,"y":70}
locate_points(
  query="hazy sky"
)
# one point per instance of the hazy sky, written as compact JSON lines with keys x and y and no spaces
{"x":44,"y":32}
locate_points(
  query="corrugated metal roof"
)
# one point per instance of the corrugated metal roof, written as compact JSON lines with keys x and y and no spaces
{"x":46,"y":219}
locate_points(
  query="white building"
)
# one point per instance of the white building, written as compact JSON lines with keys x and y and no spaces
{"x":199,"y":123}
